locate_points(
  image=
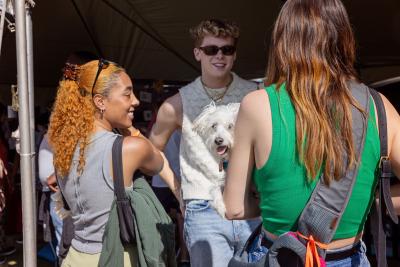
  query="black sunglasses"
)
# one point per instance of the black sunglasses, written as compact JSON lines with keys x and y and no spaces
{"x":212,"y":50}
{"x":103,"y":64}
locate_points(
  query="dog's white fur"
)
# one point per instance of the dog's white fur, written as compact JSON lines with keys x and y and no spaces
{"x":215,"y":125}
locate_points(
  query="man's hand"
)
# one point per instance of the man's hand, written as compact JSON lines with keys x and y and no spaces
{"x":3,"y":170}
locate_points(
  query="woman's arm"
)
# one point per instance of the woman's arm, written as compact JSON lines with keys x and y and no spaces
{"x":393,"y":124}
{"x":395,"y":191}
{"x":139,"y":154}
{"x":169,"y":177}
{"x":238,"y":197}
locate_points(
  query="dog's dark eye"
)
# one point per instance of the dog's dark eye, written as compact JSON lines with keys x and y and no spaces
{"x":230,"y":126}
{"x":214,"y":126}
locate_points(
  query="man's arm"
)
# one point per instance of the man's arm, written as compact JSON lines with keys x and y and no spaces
{"x":169,"y":118}
{"x":393,"y":125}
{"x":239,"y":197}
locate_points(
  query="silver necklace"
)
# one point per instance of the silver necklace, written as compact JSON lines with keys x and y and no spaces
{"x":219,"y":97}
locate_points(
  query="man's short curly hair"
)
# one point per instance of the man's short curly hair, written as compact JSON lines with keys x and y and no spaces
{"x":216,"y":28}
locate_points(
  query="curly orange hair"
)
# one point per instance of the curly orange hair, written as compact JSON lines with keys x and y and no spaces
{"x":72,"y":119}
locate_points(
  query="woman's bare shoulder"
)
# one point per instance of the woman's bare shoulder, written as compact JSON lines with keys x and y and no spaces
{"x":136,"y":146}
{"x":255,"y":100}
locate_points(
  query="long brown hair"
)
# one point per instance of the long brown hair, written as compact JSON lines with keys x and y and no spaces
{"x":72,"y":118}
{"x":312,"y":52}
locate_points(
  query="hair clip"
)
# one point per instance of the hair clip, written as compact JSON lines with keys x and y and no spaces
{"x":70,"y":72}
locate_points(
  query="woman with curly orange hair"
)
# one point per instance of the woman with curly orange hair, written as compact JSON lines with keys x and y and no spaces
{"x":92,"y":100}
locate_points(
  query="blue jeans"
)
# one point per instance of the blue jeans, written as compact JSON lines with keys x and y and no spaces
{"x":212,"y":240}
{"x":358,"y":259}
{"x":57,"y":222}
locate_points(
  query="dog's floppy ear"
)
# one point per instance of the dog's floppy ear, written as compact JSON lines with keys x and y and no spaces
{"x":199,"y":124}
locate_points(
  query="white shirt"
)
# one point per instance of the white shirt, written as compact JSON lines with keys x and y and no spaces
{"x":45,"y":162}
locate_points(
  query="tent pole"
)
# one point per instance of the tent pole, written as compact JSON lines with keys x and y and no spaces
{"x":31,"y":101}
{"x":3,"y":15}
{"x":27,"y":192}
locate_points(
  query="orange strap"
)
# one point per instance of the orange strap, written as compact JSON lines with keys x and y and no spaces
{"x":312,"y":252}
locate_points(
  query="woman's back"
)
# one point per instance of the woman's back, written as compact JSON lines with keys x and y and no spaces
{"x":282,"y":181}
{"x":90,"y":194}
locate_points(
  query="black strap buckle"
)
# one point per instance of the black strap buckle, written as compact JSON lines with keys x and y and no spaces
{"x":385,"y":167}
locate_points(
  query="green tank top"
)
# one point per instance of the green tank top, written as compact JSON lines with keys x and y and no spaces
{"x":282,"y":183}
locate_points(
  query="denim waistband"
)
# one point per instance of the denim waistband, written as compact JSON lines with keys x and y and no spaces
{"x":348,"y":247}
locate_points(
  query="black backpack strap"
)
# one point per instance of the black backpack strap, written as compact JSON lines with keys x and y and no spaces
{"x":123,"y":203}
{"x":118,"y":176}
{"x":66,"y":206}
{"x":384,"y":174}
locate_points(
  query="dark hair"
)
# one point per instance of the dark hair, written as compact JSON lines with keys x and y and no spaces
{"x":313,"y":51}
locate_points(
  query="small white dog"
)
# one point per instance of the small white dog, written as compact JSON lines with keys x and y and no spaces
{"x":215,"y":125}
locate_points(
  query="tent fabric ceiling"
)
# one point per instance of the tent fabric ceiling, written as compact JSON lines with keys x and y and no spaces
{"x":58,"y":30}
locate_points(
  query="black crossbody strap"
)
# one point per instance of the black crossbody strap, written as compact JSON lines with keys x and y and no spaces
{"x":119,"y":188}
{"x":384,"y":174}
{"x":124,"y":209}
{"x":385,"y":167}
{"x":65,"y":203}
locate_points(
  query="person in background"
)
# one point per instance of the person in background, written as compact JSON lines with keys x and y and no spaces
{"x":167,"y":198}
{"x":5,"y":185}
{"x":47,"y":176}
{"x":211,"y":239}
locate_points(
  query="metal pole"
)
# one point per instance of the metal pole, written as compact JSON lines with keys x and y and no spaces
{"x":31,"y":101}
{"x":3,"y":15}
{"x":28,"y":218}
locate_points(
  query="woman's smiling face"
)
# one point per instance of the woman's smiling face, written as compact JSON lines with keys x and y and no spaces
{"x":121,"y":102}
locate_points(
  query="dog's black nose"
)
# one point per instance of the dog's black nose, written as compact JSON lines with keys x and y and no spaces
{"x":218,"y":141}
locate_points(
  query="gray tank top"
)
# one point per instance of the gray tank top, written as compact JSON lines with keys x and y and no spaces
{"x":90,"y":194}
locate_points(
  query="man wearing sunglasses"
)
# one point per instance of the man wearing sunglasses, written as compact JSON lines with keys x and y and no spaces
{"x":211,"y":239}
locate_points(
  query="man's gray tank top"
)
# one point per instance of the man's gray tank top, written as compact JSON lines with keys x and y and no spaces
{"x":90,"y":194}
